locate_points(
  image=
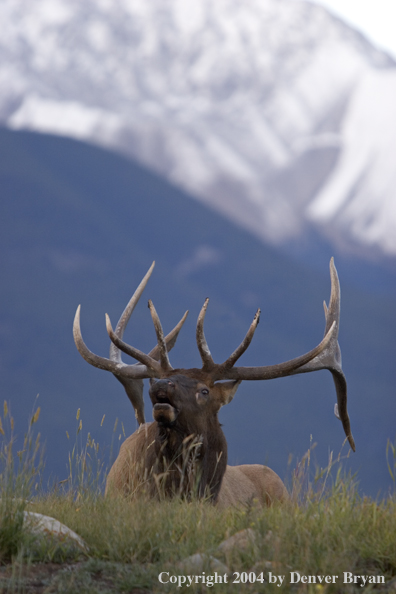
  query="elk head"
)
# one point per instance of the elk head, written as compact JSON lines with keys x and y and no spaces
{"x":186,"y":401}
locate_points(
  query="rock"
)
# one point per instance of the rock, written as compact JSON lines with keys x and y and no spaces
{"x":41,"y":525}
{"x":264,"y":564}
{"x":201,"y":562}
{"x":242,"y":541}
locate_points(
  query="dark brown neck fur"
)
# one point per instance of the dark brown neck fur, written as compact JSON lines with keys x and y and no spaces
{"x":194,"y":462}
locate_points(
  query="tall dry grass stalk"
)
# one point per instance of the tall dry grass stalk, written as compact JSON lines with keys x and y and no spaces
{"x":19,"y":478}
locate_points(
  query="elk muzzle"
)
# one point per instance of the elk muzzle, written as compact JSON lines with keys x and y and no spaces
{"x":162,"y":393}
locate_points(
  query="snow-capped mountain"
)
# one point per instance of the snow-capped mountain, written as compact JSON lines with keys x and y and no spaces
{"x":272,"y":111}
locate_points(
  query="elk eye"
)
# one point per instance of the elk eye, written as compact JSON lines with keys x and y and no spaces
{"x":202,"y":396}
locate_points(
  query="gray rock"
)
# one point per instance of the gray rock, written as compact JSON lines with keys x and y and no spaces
{"x":41,"y":525}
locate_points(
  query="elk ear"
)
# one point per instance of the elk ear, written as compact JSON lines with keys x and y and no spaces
{"x":225,"y":391}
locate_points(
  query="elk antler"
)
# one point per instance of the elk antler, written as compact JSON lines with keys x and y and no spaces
{"x":130,"y":376}
{"x":226,"y":370}
{"x":134,"y":387}
{"x":331,"y":358}
{"x":328,"y":356}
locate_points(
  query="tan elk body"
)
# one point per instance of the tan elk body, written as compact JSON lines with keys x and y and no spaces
{"x":183,"y":451}
{"x":240,"y":484}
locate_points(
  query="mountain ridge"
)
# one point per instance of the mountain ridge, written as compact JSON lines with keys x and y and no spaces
{"x":261,"y":109}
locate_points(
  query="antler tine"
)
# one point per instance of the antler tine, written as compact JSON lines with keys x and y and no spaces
{"x":115,"y":353}
{"x":332,"y":313}
{"x":127,"y":371}
{"x":89,"y":356}
{"x":325,"y":310}
{"x":330,"y":358}
{"x":133,"y":388}
{"x":163,"y":353}
{"x":233,"y":358}
{"x":342,"y":398}
{"x":130,"y":350}
{"x":207,"y":360}
{"x":170,"y":339}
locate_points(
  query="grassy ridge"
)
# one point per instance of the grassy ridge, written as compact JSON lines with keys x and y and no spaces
{"x":325,"y":529}
{"x":132,"y":543}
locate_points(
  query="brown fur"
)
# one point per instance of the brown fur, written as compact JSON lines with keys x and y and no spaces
{"x":251,"y":483}
{"x":184,"y":451}
{"x":137,"y":469}
{"x":167,"y":465}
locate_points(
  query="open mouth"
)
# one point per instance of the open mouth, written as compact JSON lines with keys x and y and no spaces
{"x":163,"y":410}
{"x":164,"y":413}
{"x":162,"y":398}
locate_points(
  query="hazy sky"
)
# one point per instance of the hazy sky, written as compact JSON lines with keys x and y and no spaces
{"x":375,"y":18}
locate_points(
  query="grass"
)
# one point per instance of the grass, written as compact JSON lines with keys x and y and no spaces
{"x":324,"y":530}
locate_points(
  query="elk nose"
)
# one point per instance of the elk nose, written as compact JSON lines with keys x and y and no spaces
{"x":164,"y":384}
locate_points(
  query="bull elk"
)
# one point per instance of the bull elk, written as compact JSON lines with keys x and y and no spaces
{"x":184,"y":450}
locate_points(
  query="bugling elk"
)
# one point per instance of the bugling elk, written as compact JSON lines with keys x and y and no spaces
{"x":184,"y":450}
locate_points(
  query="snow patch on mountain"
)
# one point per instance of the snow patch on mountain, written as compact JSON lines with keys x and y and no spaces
{"x":66,"y":118}
{"x":366,"y":168}
{"x":271,"y":111}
